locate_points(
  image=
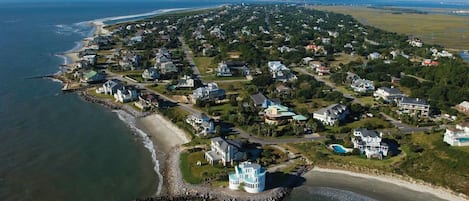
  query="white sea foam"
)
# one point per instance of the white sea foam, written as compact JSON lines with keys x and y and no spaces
{"x":148,"y":144}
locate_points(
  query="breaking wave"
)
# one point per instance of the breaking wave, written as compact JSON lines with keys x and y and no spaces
{"x":148,"y":144}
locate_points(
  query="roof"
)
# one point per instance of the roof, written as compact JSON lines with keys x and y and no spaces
{"x":391,"y":90}
{"x":333,"y":110}
{"x":464,"y":104}
{"x":258,"y":98}
{"x":367,"y":133}
{"x":90,"y":74}
{"x":415,"y":101}
{"x":224,"y":144}
{"x":300,"y":118}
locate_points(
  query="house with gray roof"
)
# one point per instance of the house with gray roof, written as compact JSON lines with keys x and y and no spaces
{"x":224,"y":151}
{"x":362,"y":86}
{"x":388,"y":94}
{"x":150,"y":74}
{"x":332,"y":114}
{"x":414,"y":107}
{"x":111,"y":86}
{"x":369,"y":142}
{"x":201,"y":123}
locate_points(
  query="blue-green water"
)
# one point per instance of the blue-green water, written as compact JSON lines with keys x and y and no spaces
{"x":55,"y":146}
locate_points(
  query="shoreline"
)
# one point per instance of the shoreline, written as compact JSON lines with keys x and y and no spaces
{"x":398,"y":180}
{"x":161,"y":132}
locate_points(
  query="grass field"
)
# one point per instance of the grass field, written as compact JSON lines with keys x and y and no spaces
{"x":195,"y":174}
{"x":205,"y":65}
{"x":447,"y":30}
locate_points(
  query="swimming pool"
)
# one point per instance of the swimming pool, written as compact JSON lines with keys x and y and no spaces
{"x":339,"y":148}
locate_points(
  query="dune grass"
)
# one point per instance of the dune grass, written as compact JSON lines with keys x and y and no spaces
{"x":447,"y":30}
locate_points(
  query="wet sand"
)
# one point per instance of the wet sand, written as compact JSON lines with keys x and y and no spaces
{"x":328,"y":184}
{"x":163,"y":133}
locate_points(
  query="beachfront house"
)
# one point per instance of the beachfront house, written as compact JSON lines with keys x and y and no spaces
{"x":332,"y":114}
{"x":147,"y":101}
{"x":126,"y":94}
{"x":458,"y":135}
{"x":150,"y":74}
{"x":280,"y":72}
{"x":388,"y":94}
{"x":208,"y":92}
{"x":277,"y":114}
{"x":362,"y":86}
{"x":249,"y":176}
{"x":224,"y":151}
{"x":201,"y":123}
{"x":110,"y":87}
{"x":414,"y":107}
{"x":369,"y":142}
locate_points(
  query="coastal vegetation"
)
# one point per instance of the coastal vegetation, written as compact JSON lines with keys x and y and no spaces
{"x":443,"y":29}
{"x":305,"y":40}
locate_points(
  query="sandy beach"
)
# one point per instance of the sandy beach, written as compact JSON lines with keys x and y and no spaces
{"x":425,"y":190}
{"x":164,"y":134}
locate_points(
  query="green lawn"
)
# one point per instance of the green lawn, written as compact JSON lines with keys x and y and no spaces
{"x":432,"y":161}
{"x":205,"y":65}
{"x":103,"y":96}
{"x":319,"y":154}
{"x":367,"y":100}
{"x":215,"y":78}
{"x":160,"y":88}
{"x":375,"y":121}
{"x":194,"y":174}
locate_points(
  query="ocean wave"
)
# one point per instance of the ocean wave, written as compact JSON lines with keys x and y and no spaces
{"x":335,"y":194}
{"x":82,"y":29}
{"x":148,"y":144}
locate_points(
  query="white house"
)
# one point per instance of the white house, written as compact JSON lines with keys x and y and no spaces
{"x":388,"y":94}
{"x":223,"y":70}
{"x":186,"y":82}
{"x":362,"y":86}
{"x":369,"y":142}
{"x":463,"y":107}
{"x":414,"y":106}
{"x":458,"y":135}
{"x":331,"y":114}
{"x":126,"y":94}
{"x":150,"y":74}
{"x":374,"y":55}
{"x":201,"y":123}
{"x":280,"y":72}
{"x":224,"y":151}
{"x":211,"y":91}
{"x":250,"y":176}
{"x":110,"y":87}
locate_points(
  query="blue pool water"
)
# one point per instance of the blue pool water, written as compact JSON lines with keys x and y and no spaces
{"x":339,"y":149}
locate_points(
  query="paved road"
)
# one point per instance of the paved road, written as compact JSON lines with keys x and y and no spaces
{"x":189,"y":108}
{"x":187,"y":51}
{"x":329,"y":84}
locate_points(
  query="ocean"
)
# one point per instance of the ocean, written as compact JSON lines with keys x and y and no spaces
{"x":55,"y":146}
